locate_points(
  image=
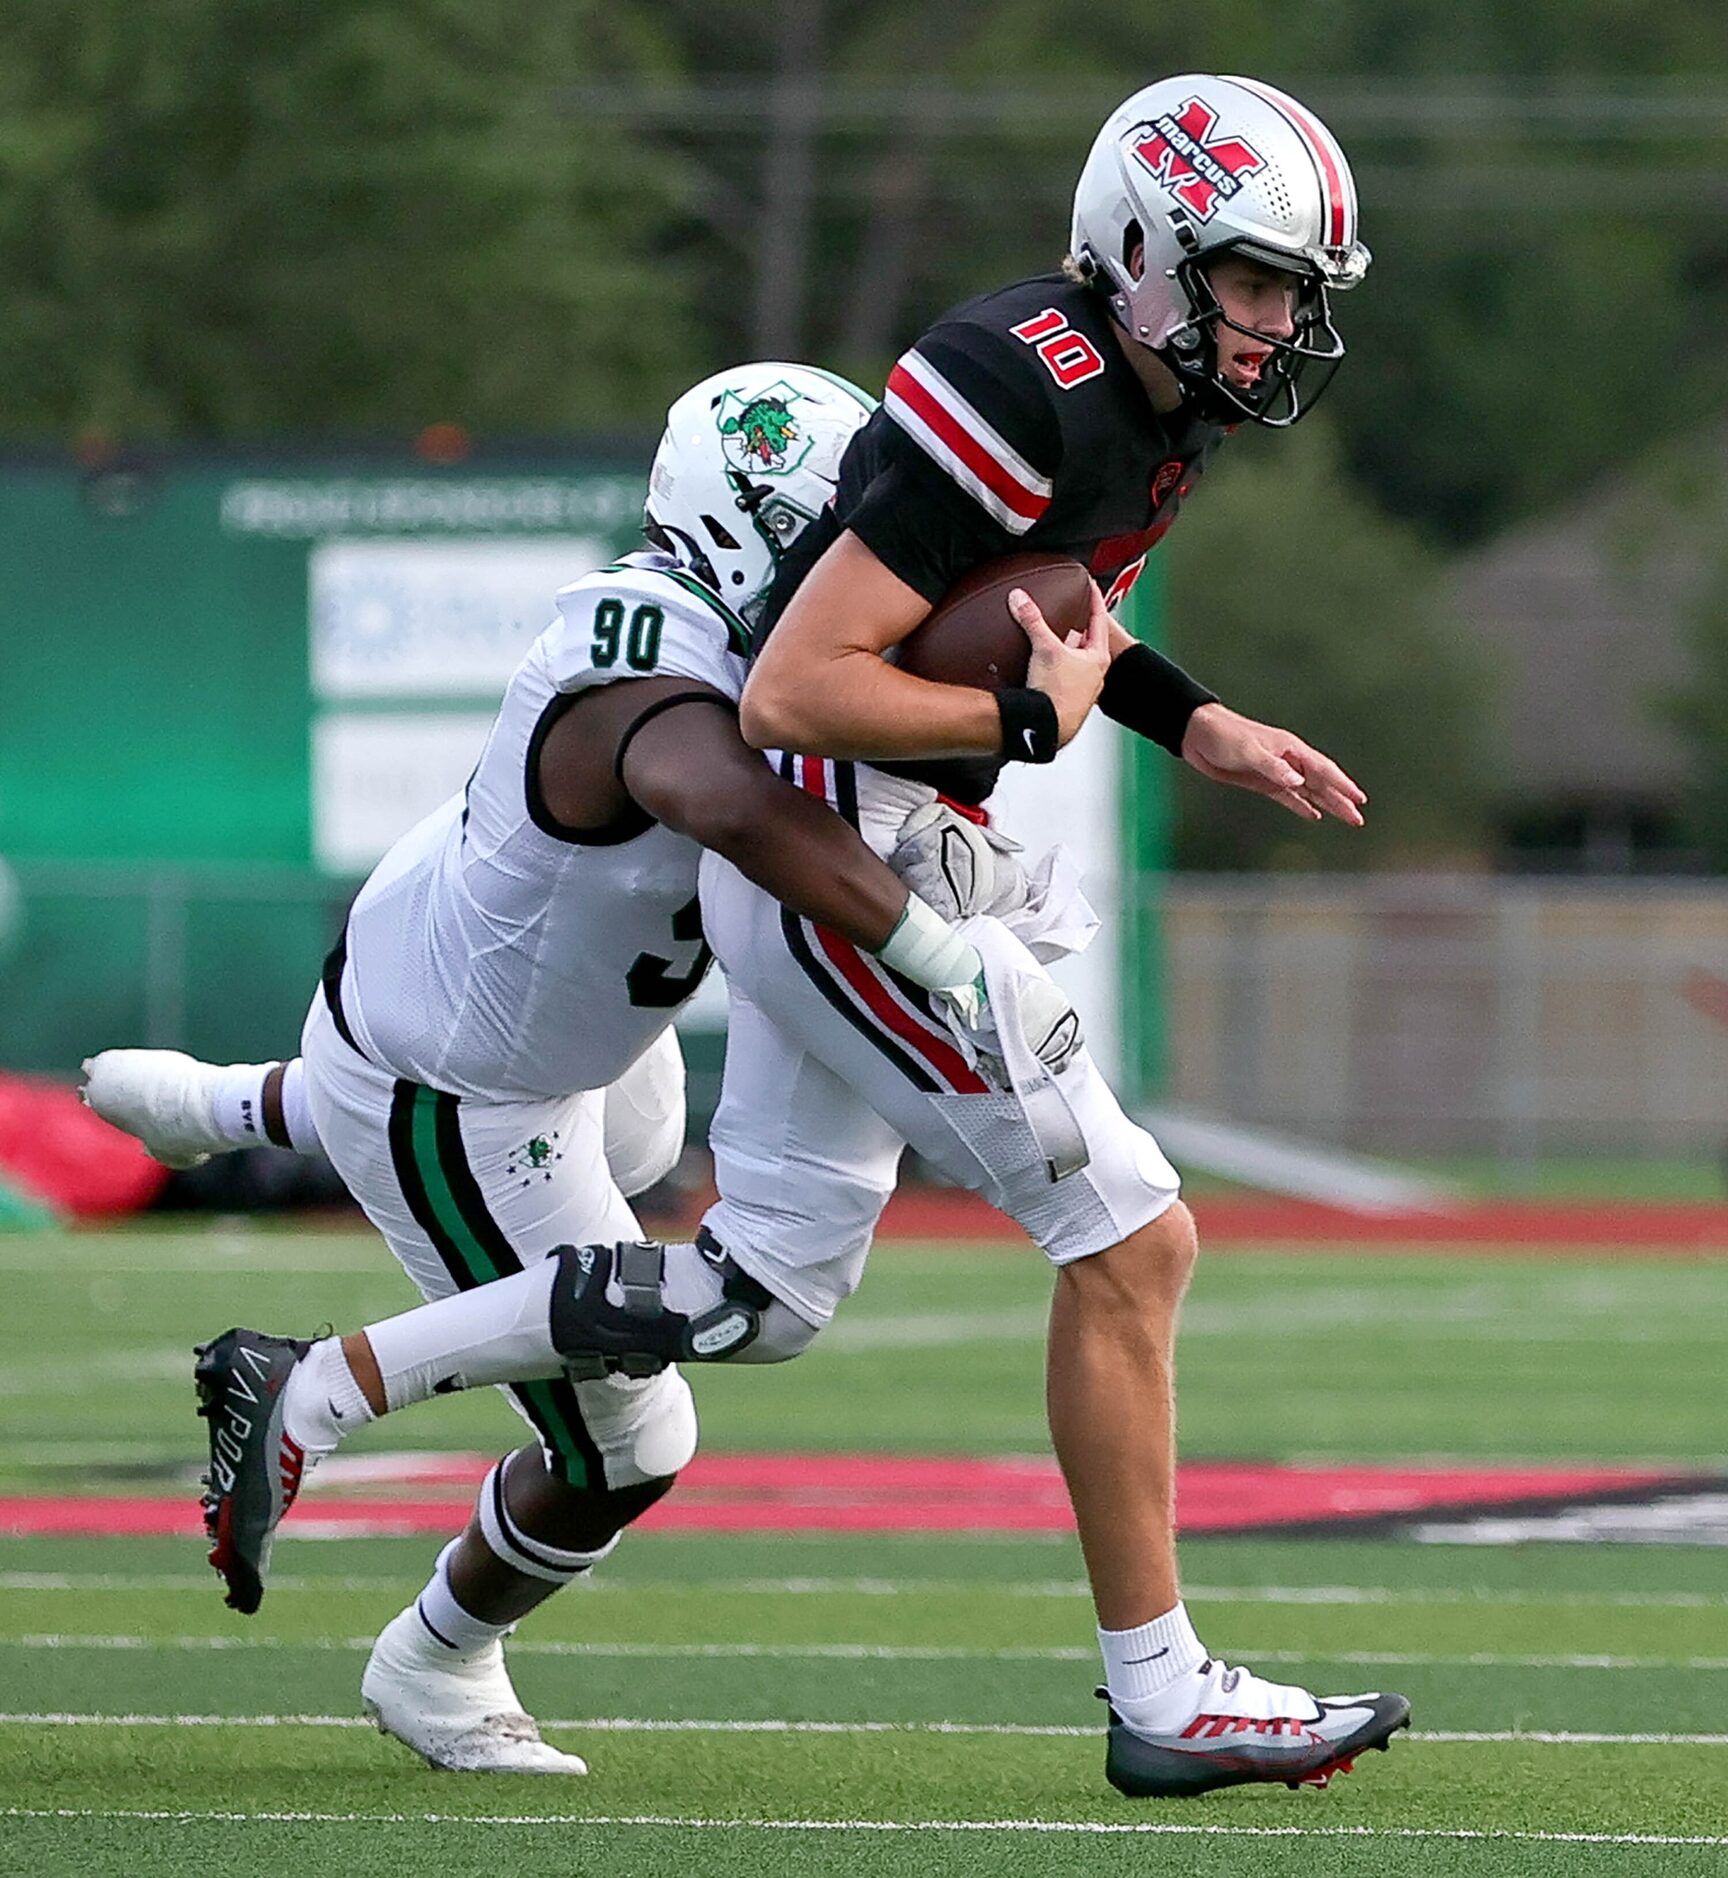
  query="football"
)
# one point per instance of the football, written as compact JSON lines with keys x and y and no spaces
{"x":971,"y":638}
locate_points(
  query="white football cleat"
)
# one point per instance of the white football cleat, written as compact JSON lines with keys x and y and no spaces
{"x":163,"y":1097}
{"x":456,"y":1712}
{"x":1227,"y":1727}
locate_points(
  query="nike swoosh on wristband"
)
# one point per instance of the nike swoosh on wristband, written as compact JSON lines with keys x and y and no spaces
{"x":1129,"y":1661}
{"x":1031,"y":746}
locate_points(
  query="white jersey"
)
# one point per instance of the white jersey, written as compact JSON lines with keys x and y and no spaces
{"x":494,"y":952}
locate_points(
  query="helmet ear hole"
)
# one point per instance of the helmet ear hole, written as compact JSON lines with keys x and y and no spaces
{"x":1134,"y":247}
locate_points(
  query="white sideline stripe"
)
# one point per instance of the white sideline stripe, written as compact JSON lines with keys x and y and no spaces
{"x":53,"y":1375}
{"x":1150,"y":1828}
{"x":913,"y":1587}
{"x":929,"y":1330}
{"x":1085,"y":1827}
{"x":677,"y":1652}
{"x":622,"y":1724}
{"x":869,"y":1652}
{"x":185,"y":1581}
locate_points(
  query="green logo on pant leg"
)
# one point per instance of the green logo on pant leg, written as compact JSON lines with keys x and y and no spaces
{"x":537,"y":1155}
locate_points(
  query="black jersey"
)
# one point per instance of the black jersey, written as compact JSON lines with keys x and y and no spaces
{"x":1015,"y":424}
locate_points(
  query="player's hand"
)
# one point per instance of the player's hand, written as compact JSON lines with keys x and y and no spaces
{"x":956,"y":867}
{"x":1070,"y":672}
{"x":1048,"y":1022}
{"x":1226,"y":747}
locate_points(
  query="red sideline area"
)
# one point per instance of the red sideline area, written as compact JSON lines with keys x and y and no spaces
{"x":855,"y":1493}
{"x":1558,"y":1227}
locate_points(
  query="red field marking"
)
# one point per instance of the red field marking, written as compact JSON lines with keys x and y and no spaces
{"x":1267,"y":1223}
{"x":876,"y":1493}
{"x":1560,"y":1227}
{"x":1557,"y":1228}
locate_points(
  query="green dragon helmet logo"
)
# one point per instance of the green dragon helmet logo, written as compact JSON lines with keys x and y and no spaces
{"x":762,"y":435}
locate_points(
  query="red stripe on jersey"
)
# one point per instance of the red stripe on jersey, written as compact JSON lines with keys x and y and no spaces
{"x":942,"y":1057}
{"x":976,"y":455}
{"x":1319,"y":147}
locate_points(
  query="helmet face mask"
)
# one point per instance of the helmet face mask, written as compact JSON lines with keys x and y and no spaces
{"x":749,"y":459}
{"x":1291,"y":378}
{"x":1192,"y":169}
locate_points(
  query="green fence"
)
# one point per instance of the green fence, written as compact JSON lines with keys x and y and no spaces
{"x":218,"y":962}
{"x":222,"y":678}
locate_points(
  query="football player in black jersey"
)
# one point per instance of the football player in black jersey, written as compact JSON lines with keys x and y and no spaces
{"x":1070,"y":413}
{"x":1073,"y":413}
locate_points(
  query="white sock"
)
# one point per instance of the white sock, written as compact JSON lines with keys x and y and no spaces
{"x":1143,"y":1664}
{"x":322,"y":1401}
{"x":296,"y":1111}
{"x":237,"y":1102}
{"x":498,"y":1332}
{"x":445,"y":1620}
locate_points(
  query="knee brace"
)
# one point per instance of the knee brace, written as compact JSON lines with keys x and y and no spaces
{"x":638,"y":1335}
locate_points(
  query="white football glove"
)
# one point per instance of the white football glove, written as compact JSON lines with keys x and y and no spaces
{"x":1016,"y":1025}
{"x":1049,"y":1023}
{"x":957,"y":866}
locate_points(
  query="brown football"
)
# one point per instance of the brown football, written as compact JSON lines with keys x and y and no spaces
{"x":971,"y":638}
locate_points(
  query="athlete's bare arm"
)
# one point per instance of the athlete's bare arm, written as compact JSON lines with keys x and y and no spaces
{"x":1226,"y":747}
{"x":688,"y":767}
{"x":821,"y":685}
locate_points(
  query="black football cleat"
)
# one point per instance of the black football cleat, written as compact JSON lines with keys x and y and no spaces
{"x":255,"y":1468}
{"x":1245,"y":1730}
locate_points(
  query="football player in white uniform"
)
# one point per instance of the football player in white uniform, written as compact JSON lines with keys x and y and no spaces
{"x":499,"y":1003}
{"x":1070,"y":412}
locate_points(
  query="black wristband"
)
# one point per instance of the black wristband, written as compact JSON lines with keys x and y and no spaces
{"x":1152,"y":695}
{"x":1030,"y":732}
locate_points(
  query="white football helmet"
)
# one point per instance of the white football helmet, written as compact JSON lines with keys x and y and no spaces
{"x":750,"y":457}
{"x":1196,"y":166}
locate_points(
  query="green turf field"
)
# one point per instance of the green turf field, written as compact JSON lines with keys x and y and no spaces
{"x":869,"y":1703}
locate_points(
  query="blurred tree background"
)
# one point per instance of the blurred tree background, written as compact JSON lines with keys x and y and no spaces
{"x":221,"y":218}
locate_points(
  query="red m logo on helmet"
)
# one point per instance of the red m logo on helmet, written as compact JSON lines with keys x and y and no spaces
{"x":1178,"y":149}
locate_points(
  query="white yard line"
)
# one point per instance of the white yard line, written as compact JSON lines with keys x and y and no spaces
{"x":189,"y":1581}
{"x":55,"y":1375}
{"x":1551,"y":1308}
{"x":866,"y":1652}
{"x":910,"y":1587}
{"x":688,"y":1823}
{"x":928,"y":1330}
{"x":364,"y":1258}
{"x":619,"y":1724}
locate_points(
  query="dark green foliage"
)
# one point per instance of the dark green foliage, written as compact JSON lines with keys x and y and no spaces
{"x":1298,"y":603}
{"x":224,"y":218}
{"x":219,"y":217}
